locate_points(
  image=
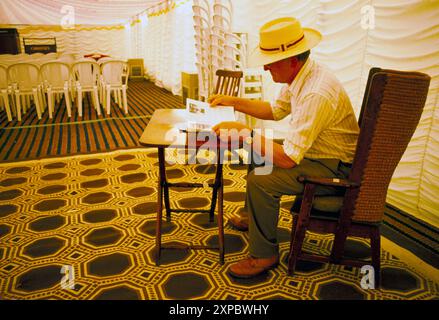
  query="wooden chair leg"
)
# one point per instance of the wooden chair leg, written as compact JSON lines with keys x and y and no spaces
{"x":375,"y":245}
{"x":293,"y":232}
{"x":338,"y":246}
{"x":296,"y":247}
{"x":300,"y":228}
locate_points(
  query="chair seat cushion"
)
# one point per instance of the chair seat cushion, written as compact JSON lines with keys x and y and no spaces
{"x":323,"y":207}
{"x":328,"y":204}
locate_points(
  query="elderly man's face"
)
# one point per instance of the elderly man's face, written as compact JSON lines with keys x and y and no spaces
{"x":283,"y":71}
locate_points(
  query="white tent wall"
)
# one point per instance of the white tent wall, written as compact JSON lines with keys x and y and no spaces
{"x":165,"y":40}
{"x":80,"y":40}
{"x":405,"y":37}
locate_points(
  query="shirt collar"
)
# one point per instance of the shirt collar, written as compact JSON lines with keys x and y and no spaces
{"x":299,"y":80}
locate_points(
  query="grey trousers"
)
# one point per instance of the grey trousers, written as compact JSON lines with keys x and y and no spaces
{"x":264,"y":193}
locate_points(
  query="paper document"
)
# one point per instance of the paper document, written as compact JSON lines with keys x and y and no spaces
{"x":202,"y":117}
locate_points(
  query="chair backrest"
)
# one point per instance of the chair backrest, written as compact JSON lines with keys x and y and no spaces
{"x":25,"y":75}
{"x":67,"y":58}
{"x":55,"y":74}
{"x":112,"y":72}
{"x":228,"y":82}
{"x":3,"y":77}
{"x":393,"y":107}
{"x":86,"y":73}
{"x":105,"y":59}
{"x":366,"y":93}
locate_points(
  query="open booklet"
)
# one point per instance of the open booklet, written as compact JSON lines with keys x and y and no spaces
{"x":202,"y":117}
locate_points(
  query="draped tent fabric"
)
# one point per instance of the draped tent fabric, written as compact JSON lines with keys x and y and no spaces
{"x":165,"y":40}
{"x":49,"y":12}
{"x":405,"y":37}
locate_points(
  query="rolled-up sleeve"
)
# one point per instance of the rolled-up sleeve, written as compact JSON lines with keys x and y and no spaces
{"x":310,"y":116}
{"x":281,"y":106}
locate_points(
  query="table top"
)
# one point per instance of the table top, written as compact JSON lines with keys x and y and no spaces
{"x":165,"y":130}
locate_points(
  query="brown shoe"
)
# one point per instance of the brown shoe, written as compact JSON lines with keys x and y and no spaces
{"x":239,"y":223}
{"x":252,"y":267}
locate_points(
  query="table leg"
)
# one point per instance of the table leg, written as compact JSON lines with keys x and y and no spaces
{"x":161,"y":180}
{"x":220,"y":217}
{"x":216,"y":186}
{"x":162,"y":163}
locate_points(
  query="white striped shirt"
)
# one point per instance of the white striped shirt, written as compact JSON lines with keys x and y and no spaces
{"x":323,"y":124}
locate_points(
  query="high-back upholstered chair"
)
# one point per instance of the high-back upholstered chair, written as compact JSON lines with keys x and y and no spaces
{"x":392,"y":107}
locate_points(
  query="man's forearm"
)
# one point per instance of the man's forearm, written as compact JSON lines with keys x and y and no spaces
{"x":255,"y":108}
{"x":274,"y":151}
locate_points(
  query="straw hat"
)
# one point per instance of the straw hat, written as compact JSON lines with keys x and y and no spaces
{"x":283,"y":38}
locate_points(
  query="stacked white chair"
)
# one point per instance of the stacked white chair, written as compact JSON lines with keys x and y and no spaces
{"x":232,"y":46}
{"x":217,"y":47}
{"x":202,"y":25}
{"x":114,"y":79}
{"x":4,"y":90}
{"x":56,"y":77}
{"x":26,"y":82}
{"x":86,"y":74}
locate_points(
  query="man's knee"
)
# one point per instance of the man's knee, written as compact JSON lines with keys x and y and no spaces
{"x":280,"y":182}
{"x":255,"y":180}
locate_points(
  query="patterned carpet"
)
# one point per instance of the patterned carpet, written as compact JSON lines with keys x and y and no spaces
{"x":60,"y":136}
{"x":96,"y":214}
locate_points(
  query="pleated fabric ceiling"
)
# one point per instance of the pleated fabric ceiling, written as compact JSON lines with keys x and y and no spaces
{"x":87,"y":12}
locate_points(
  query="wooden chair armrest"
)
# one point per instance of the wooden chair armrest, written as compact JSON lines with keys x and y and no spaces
{"x":328,"y":182}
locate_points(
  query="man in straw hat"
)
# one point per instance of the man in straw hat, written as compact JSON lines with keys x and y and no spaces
{"x":320,"y":141}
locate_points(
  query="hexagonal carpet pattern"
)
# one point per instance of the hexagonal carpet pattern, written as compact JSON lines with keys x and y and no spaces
{"x":89,"y":222}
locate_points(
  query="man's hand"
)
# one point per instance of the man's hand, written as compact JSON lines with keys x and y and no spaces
{"x":221,"y":100}
{"x":232,"y":131}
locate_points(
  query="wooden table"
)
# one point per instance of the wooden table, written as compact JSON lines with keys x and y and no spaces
{"x":164,"y":131}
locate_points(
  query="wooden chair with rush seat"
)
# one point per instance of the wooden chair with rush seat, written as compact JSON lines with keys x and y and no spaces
{"x":228,"y":82}
{"x":392,"y":107}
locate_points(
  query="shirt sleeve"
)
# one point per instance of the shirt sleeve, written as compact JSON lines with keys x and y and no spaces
{"x":311,"y":116}
{"x":281,"y":106}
